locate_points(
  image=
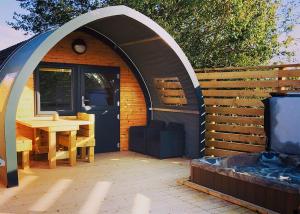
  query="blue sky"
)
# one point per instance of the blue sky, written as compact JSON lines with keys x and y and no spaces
{"x":9,"y":37}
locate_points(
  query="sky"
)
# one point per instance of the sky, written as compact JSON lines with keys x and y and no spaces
{"x":9,"y":36}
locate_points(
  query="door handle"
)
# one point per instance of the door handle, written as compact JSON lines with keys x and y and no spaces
{"x":105,"y":112}
{"x":82,"y":101}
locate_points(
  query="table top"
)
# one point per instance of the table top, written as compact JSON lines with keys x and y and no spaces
{"x":43,"y":122}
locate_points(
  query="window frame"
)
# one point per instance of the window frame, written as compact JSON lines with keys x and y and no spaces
{"x":38,"y":111}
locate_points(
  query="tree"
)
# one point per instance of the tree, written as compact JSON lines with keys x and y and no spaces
{"x":212,"y":33}
{"x":43,"y":15}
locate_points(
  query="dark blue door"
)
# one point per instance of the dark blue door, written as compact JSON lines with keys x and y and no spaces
{"x":100,"y":95}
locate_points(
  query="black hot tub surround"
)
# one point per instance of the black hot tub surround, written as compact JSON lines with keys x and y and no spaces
{"x":268,"y":179}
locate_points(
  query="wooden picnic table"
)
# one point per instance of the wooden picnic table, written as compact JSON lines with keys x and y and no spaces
{"x":52,"y":127}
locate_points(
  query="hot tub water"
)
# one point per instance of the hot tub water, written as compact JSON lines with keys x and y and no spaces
{"x":273,"y":166}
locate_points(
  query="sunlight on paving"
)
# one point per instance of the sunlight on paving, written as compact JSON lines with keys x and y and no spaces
{"x":7,"y":194}
{"x":115,"y":159}
{"x":146,"y":161}
{"x":28,"y":172}
{"x":175,"y":162}
{"x":95,"y":198}
{"x":50,"y":197}
{"x":141,"y":204}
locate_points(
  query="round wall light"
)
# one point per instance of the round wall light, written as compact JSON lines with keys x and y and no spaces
{"x":79,"y":46}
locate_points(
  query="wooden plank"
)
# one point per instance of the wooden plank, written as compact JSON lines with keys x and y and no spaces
{"x":87,"y":117}
{"x":25,"y":160}
{"x":24,"y":131}
{"x":236,"y":137}
{"x":72,"y":148}
{"x":83,"y":151}
{"x":68,"y":117}
{"x":236,"y":129}
{"x":235,"y":120}
{"x":63,"y":139}
{"x":249,"y":67}
{"x":291,"y":83}
{"x":237,"y":111}
{"x":236,"y":93}
{"x":26,"y":101}
{"x":23,"y":144}
{"x":85,"y":141}
{"x":235,"y":146}
{"x":239,"y":84}
{"x":221,"y":152}
{"x":62,"y":155}
{"x":289,"y":73}
{"x":168,"y":85}
{"x":60,"y":128}
{"x":43,"y":122}
{"x":233,"y":102}
{"x":238,"y":75}
{"x":286,"y":91}
{"x":52,"y":149}
{"x":172,"y":93}
{"x":89,"y":127}
{"x":91,"y":156}
{"x":174,"y":100}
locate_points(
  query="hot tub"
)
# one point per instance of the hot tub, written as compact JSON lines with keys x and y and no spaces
{"x":270,"y":180}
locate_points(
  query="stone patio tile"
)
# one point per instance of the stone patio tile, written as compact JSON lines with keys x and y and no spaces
{"x":117,"y":183}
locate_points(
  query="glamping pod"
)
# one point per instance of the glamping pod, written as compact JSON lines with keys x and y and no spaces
{"x":114,"y":63}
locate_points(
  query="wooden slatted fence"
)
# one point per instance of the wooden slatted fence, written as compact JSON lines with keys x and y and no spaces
{"x":233,"y":99}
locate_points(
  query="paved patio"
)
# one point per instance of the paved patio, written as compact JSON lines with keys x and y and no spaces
{"x":122,"y":182}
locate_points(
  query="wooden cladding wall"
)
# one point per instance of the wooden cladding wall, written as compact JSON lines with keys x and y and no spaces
{"x":235,"y":112}
{"x":132,"y":102}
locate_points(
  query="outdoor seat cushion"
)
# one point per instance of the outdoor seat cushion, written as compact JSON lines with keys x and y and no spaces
{"x":166,"y":143}
{"x":153,"y":135}
{"x":175,"y":127}
{"x":137,"y":139}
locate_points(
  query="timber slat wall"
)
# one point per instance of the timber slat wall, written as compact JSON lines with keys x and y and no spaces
{"x":233,"y":99}
{"x":170,"y":91}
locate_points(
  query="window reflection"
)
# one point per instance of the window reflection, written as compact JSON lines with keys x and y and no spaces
{"x":99,"y":89}
{"x":55,"y":89}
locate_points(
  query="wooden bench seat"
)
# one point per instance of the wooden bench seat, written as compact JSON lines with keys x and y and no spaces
{"x":24,"y":146}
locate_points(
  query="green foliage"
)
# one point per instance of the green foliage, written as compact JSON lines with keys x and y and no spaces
{"x":43,"y":15}
{"x":212,"y":33}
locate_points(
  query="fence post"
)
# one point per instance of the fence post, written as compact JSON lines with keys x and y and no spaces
{"x":280,"y":78}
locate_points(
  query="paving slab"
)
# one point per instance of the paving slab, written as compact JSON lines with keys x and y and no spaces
{"x":120,"y":182}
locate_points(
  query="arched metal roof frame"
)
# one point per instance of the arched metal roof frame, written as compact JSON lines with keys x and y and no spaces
{"x":20,"y":65}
